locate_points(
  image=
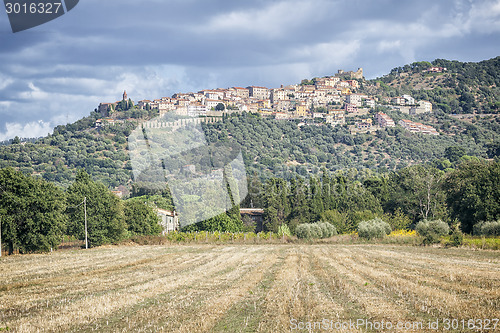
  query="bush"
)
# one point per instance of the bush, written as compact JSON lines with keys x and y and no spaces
{"x":375,"y":228}
{"x":315,"y":230}
{"x":325,"y":231}
{"x":328,"y":229}
{"x":457,"y":238}
{"x":303,"y":231}
{"x":483,"y":243}
{"x":487,"y":229}
{"x":284,"y":230}
{"x":432,"y":230}
{"x":398,"y":220}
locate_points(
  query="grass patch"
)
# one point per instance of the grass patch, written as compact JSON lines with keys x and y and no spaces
{"x":483,"y":243}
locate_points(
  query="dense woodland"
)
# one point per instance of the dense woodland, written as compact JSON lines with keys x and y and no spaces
{"x":35,"y":213}
{"x":281,"y":148}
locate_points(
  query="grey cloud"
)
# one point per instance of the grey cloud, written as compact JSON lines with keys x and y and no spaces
{"x":156,"y":48}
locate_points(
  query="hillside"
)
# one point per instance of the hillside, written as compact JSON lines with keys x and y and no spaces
{"x":270,"y":147}
{"x":456,"y":87}
{"x":280,"y":147}
{"x":289,"y":147}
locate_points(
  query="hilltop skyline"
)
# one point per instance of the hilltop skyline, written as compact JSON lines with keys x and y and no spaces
{"x":58,"y":72}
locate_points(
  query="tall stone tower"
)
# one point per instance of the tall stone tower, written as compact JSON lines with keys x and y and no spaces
{"x":125,"y":96}
{"x":358,"y":74}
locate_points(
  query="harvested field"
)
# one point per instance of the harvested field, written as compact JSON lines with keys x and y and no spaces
{"x":249,"y":288}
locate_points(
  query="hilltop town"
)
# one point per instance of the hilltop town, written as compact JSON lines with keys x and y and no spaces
{"x":337,"y":122}
{"x":334,"y":100}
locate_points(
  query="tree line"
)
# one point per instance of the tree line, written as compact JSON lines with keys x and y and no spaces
{"x":463,"y":197}
{"x":35,"y":214}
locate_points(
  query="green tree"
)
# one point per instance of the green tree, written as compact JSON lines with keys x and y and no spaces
{"x":255,"y":192}
{"x":105,"y":218}
{"x":141,"y":218}
{"x":375,"y":228}
{"x":276,"y":203}
{"x":493,"y":149}
{"x":454,"y":153}
{"x":31,"y":212}
{"x":355,"y":217}
{"x":432,"y":231}
{"x":417,"y":190}
{"x":317,"y":206}
{"x":248,"y":224}
{"x":356,"y":198}
{"x":299,"y":203}
{"x":442,"y":164}
{"x":233,"y":192}
{"x":398,"y":220}
{"x":339,"y":220}
{"x":473,"y":194}
{"x":220,"y":107}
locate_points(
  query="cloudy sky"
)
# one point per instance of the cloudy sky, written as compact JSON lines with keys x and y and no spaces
{"x":60,"y":71}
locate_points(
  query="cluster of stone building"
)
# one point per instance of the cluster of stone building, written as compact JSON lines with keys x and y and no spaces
{"x":294,"y":100}
{"x":407,"y":104}
{"x":382,"y":120}
{"x":333,"y":98}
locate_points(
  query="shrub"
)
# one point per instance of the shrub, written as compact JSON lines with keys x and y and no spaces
{"x":328,"y":229}
{"x":398,"y":220}
{"x":323,"y":229}
{"x":432,"y":230}
{"x":315,"y":230}
{"x":487,"y":228}
{"x":457,"y":238}
{"x":303,"y":231}
{"x":375,"y":228}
